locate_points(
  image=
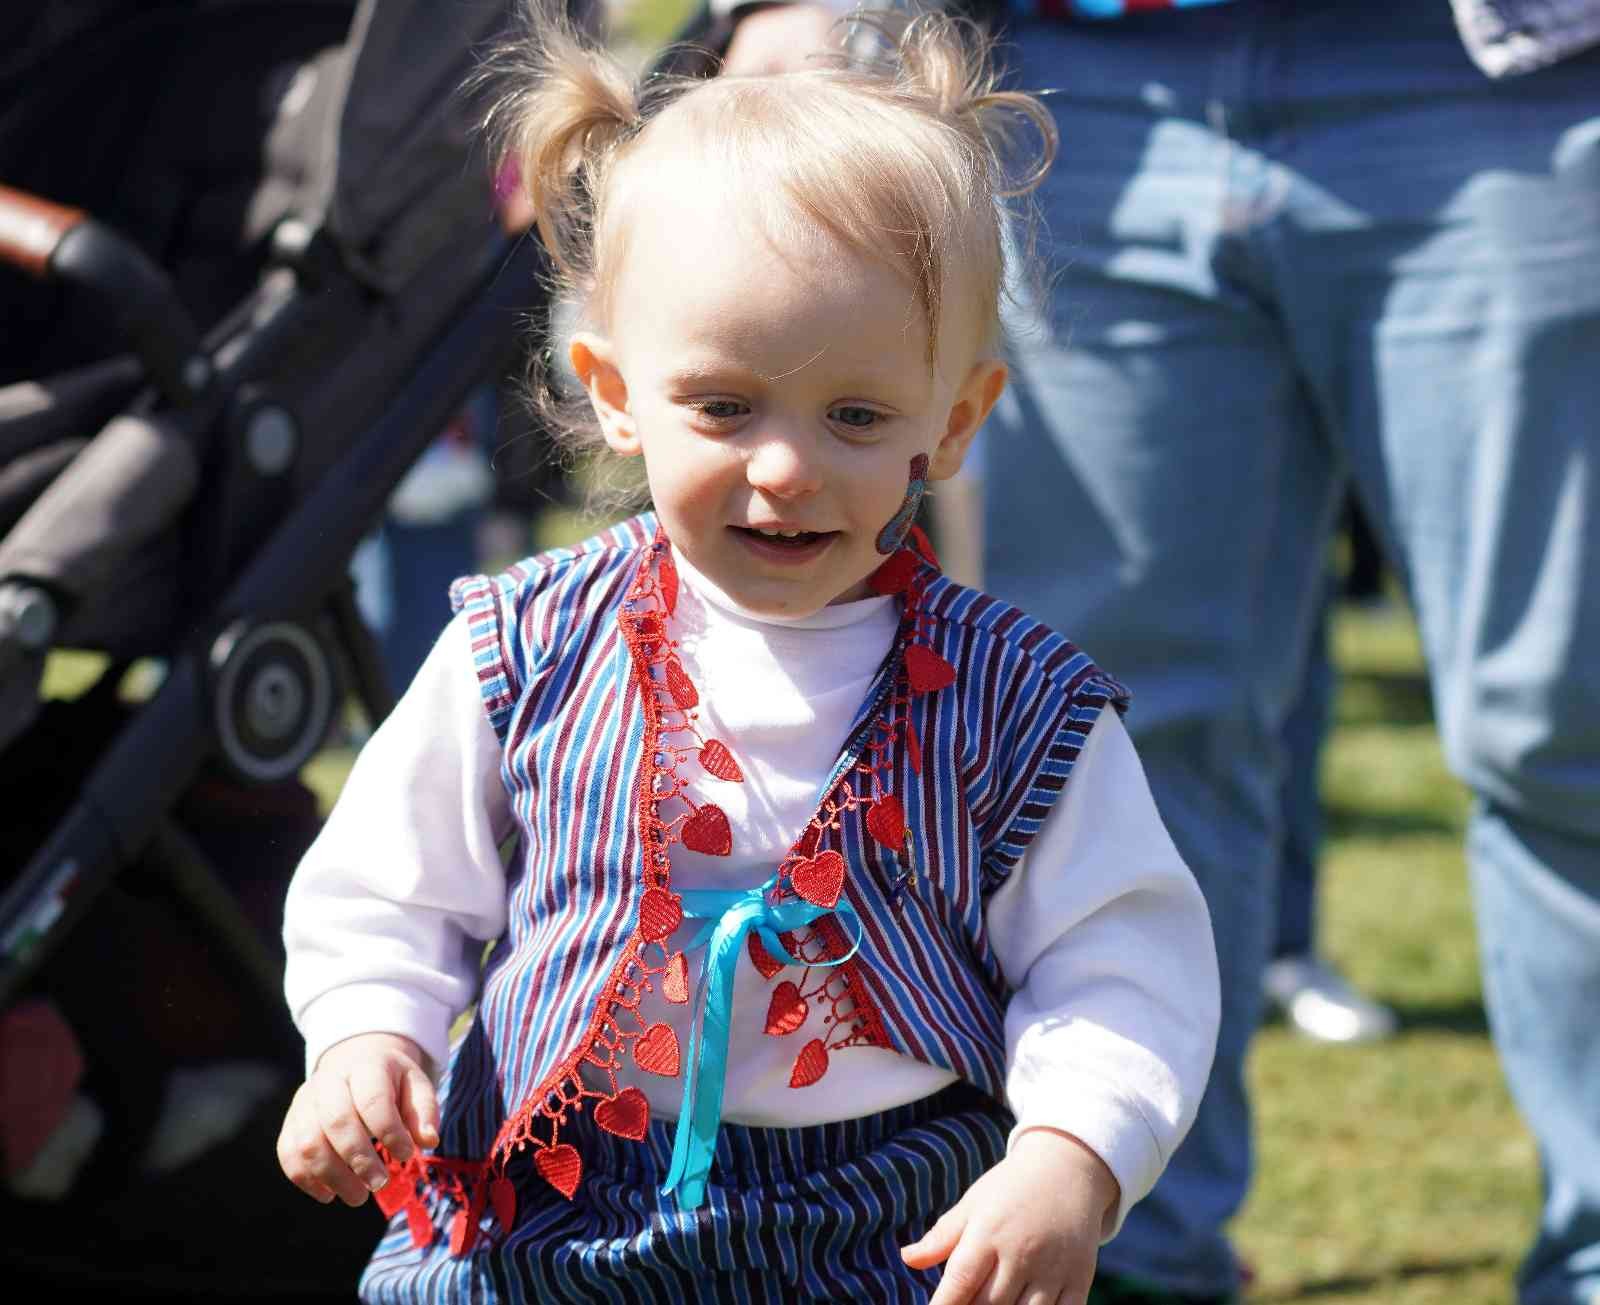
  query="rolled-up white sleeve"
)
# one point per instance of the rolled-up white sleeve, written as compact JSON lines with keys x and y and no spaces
{"x":388,"y":912}
{"x":1103,"y":933}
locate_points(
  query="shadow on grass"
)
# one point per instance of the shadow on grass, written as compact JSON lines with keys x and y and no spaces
{"x":1362,"y":1284}
{"x":1466,"y":1017}
{"x":1357,"y":820}
{"x":1385,"y":698}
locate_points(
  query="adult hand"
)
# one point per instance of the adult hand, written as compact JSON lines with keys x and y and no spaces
{"x":374,"y":1085}
{"x":780,"y":39}
{"x":1028,"y":1231}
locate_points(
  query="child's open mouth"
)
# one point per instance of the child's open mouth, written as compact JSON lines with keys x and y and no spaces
{"x":786,"y":545}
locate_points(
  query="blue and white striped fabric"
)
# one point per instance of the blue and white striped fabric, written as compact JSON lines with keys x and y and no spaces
{"x":559,"y":686}
{"x":798,"y":1215}
{"x":1100,"y":8}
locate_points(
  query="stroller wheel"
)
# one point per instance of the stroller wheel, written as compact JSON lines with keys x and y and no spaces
{"x":272,"y":698}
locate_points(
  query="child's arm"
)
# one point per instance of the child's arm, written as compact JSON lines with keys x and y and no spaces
{"x":386,"y":919}
{"x":1110,"y":1035}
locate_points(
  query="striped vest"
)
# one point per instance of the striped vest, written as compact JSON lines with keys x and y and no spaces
{"x":955,"y":758}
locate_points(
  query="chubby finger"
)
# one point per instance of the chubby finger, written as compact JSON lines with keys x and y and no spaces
{"x":307,"y":1159}
{"x":373,"y":1093}
{"x":347,"y":1134}
{"x":966,"y":1276}
{"x":935,"y":1245}
{"x":419,"y":1107}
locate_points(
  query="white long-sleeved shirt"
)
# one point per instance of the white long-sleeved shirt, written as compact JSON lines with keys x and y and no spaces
{"x":1100,"y":929}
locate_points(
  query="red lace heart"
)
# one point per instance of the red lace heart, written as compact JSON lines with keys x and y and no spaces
{"x":561,"y":1166}
{"x":707,"y":831}
{"x":656,"y":1051}
{"x":627,"y":1114}
{"x":886,"y":822}
{"x":660,"y":912}
{"x":761,"y":958}
{"x":675,"y":982}
{"x":680,"y":686}
{"x":719,"y":762}
{"x":820,"y":879}
{"x":503,"y":1200}
{"x":895,"y":574}
{"x":667,"y":575}
{"x":463,"y":1233}
{"x":926,"y":671}
{"x":810,"y":1065}
{"x":924,"y":545}
{"x":787,"y":1010}
{"x":420,"y":1224}
{"x":396,"y":1193}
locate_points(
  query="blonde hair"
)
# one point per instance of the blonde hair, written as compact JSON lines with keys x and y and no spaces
{"x":903,"y":156}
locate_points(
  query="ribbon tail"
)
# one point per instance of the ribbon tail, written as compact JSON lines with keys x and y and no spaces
{"x":695,"y":1144}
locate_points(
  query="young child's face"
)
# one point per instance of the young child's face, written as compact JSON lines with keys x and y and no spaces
{"x":776,"y":387}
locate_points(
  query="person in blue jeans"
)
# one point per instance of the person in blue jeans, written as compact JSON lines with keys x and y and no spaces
{"x":1295,"y":242}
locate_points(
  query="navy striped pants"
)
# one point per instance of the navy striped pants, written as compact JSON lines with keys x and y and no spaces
{"x":791,"y":1215}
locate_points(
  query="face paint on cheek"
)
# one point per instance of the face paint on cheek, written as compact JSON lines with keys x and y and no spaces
{"x":894,"y":534}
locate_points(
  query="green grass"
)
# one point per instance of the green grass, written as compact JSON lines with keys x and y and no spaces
{"x":1398,"y":1173}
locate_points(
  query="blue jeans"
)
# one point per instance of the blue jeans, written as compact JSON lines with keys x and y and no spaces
{"x":1290,"y":243}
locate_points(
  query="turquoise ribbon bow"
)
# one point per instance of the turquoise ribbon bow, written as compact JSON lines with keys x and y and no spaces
{"x":730,"y":915}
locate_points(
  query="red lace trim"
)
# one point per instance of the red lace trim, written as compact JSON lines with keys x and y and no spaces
{"x":672,"y":739}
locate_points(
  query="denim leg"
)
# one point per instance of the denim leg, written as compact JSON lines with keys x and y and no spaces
{"x":1301,"y":798}
{"x":1445,"y":269}
{"x":1167,"y":501}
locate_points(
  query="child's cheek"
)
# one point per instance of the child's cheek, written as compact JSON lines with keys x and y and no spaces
{"x":894,"y":533}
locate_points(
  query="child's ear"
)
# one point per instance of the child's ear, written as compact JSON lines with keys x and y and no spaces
{"x":595,"y":362}
{"x":979,"y":392}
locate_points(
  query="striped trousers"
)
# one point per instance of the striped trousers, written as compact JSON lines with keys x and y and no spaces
{"x":813,"y":1214}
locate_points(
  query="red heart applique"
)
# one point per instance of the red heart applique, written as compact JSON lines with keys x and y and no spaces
{"x":397,"y":1192}
{"x":667,"y":574}
{"x":656,"y":1051}
{"x":503,"y":1200}
{"x":926,"y":670}
{"x":787,"y":1011}
{"x":627,"y":1114}
{"x":680,"y":686}
{"x":820,"y":879}
{"x":463,"y":1233}
{"x":707,"y":831}
{"x":675,"y":982}
{"x":924,"y":545}
{"x":761,"y":958}
{"x":913,"y":748}
{"x":886,"y":822}
{"x":719,"y":761}
{"x":660,"y":912}
{"x":810,"y":1065}
{"x":895,"y":574}
{"x":561,"y":1166}
{"x":420,"y":1224}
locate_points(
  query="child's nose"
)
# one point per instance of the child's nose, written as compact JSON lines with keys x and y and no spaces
{"x":784,"y":468}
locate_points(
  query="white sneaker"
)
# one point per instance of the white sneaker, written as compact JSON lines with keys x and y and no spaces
{"x":1320,"y":1004}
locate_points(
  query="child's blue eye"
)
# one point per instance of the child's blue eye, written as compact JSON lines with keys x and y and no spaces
{"x":720,"y":409}
{"x":854,"y":415}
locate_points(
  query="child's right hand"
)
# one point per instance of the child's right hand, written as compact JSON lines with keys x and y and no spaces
{"x":374,"y":1085}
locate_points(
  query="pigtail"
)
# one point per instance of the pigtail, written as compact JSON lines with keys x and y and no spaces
{"x":948,"y":61}
{"x":559,"y":108}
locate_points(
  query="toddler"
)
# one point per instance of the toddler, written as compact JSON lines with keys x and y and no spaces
{"x":839,"y":952}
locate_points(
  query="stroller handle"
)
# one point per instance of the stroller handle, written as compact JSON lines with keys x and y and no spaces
{"x":53,"y":242}
{"x":31,"y":229}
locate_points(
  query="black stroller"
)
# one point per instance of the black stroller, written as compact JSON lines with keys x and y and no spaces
{"x":222,"y":350}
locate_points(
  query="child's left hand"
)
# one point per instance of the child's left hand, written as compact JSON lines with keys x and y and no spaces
{"x":1028,"y":1231}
